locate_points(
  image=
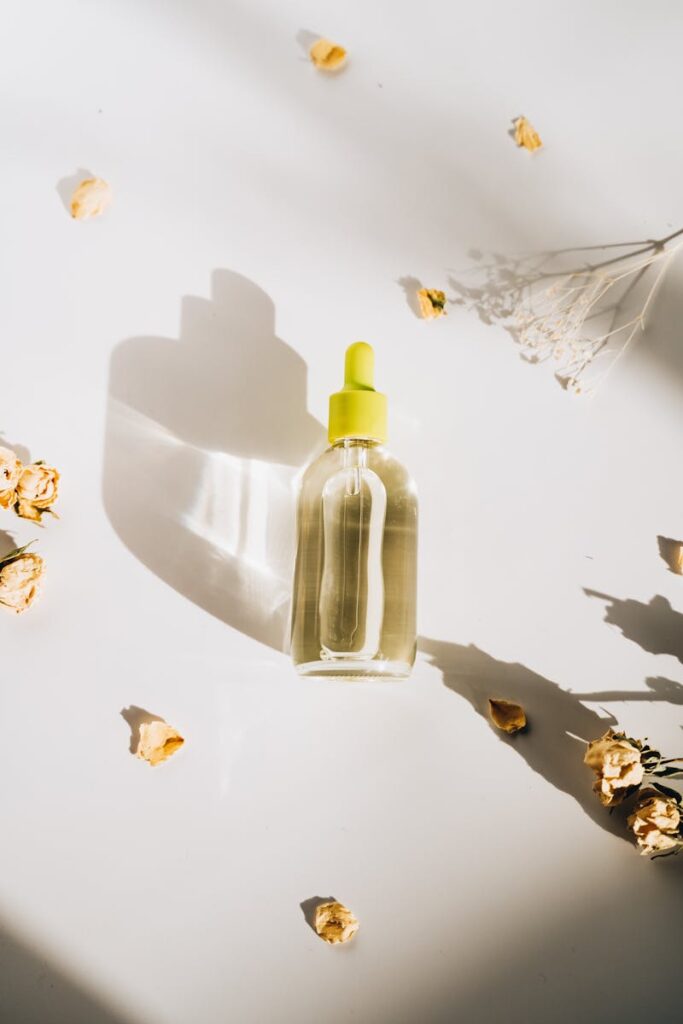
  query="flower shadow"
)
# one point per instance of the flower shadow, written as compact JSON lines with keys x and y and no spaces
{"x":204,"y":438}
{"x":656,"y":626}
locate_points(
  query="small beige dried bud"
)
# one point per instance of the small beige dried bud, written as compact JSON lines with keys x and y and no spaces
{"x":672,"y":552}
{"x":506,"y":715}
{"x":615,"y":759}
{"x":20,"y":578}
{"x":90,"y":199}
{"x":327,"y":56}
{"x":432,"y":303}
{"x":655,"y":822}
{"x":37,"y":490}
{"x":10,"y":471}
{"x":158,"y":741}
{"x":526,"y":135}
{"x":335,"y":923}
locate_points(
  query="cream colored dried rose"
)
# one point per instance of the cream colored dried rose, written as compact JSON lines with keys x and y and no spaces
{"x":21,"y":573}
{"x":616,"y":760}
{"x":90,"y":199}
{"x":335,"y":923}
{"x":506,"y":715}
{"x":526,"y":135}
{"x":157,"y":742}
{"x":432,"y":303}
{"x":656,"y":822}
{"x":10,"y":471}
{"x":327,"y":56}
{"x":37,"y":491}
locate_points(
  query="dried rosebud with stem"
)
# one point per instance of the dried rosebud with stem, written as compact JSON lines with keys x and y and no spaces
{"x":617,"y":763}
{"x":621,"y":763}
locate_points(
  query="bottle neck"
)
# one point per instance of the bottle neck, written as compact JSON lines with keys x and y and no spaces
{"x":356,"y":442}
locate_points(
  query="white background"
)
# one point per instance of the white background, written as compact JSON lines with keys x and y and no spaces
{"x":174,"y":359}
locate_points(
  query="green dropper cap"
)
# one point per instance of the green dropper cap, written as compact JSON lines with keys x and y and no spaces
{"x":358,"y":410}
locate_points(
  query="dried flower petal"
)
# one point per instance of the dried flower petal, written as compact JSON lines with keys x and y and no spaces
{"x":90,"y":199}
{"x":616,"y":760}
{"x":335,"y":923}
{"x":526,"y":135}
{"x":507,"y":715}
{"x":21,"y":573}
{"x":327,"y":56}
{"x":432,"y":303}
{"x":656,"y":822}
{"x":158,"y":741}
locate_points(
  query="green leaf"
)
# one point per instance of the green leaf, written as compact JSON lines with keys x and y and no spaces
{"x":13,"y":555}
{"x":673,"y":794}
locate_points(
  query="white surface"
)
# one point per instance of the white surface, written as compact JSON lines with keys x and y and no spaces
{"x":262,"y":217}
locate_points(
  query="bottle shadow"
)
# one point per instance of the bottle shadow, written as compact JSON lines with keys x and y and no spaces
{"x":204,"y":437}
{"x":556,"y":717}
{"x":655,"y":626}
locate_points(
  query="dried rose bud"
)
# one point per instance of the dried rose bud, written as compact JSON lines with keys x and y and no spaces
{"x":506,"y":715}
{"x":656,"y":822}
{"x":526,"y":135}
{"x":10,"y":471}
{"x":90,"y":199}
{"x":21,"y":573}
{"x":672,"y":552}
{"x":432,"y":303}
{"x":616,"y":760}
{"x":335,"y":923}
{"x":327,"y":56}
{"x":37,"y":491}
{"x":158,"y":741}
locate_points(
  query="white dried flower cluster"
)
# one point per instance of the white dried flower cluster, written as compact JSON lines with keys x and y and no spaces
{"x":581,"y":319}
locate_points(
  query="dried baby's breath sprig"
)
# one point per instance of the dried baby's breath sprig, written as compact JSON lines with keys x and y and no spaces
{"x":21,"y":574}
{"x":582,"y":319}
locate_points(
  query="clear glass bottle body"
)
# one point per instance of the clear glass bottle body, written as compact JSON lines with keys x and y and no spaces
{"x":354,"y":600}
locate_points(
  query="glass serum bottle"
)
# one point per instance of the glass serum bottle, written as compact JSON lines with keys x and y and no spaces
{"x":354,"y":600}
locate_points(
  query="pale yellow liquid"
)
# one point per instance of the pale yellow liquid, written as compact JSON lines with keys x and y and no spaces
{"x":354,"y":601}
